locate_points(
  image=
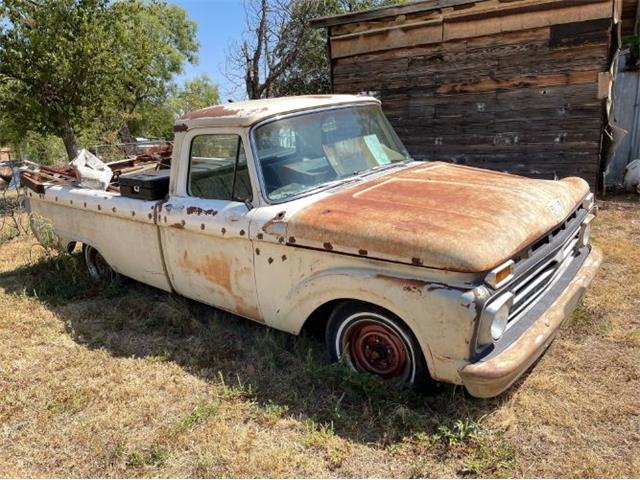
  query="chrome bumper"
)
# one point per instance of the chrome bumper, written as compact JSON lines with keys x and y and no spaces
{"x":495,"y":373}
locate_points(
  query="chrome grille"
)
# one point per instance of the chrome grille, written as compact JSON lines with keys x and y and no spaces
{"x":531,"y":286}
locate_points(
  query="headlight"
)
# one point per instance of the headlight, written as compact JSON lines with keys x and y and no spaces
{"x":494,"y":319}
{"x":585,"y":231}
{"x":586,"y":234}
{"x":500,"y":319}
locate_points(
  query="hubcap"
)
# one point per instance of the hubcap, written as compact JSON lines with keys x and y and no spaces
{"x":375,"y":348}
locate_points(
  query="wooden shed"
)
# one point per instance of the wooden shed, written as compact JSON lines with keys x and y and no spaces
{"x":630,"y":16}
{"x":512,"y":85}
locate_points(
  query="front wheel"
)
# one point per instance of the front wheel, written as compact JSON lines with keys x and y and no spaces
{"x":372,"y":340}
{"x":97,"y":266}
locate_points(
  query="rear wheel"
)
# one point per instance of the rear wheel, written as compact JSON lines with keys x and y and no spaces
{"x":97,"y":266}
{"x":370,"y":339}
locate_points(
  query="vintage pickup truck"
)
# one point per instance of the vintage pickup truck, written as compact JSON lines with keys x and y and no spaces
{"x":308,"y":211}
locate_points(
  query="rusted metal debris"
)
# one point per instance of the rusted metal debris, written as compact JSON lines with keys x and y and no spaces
{"x":154,"y":158}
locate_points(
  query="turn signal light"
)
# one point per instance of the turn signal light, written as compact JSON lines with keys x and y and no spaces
{"x":500,"y":275}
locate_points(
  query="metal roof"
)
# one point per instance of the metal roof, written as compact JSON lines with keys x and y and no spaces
{"x":252,"y":111}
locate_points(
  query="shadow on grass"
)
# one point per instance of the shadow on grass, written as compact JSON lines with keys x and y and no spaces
{"x":279,"y":372}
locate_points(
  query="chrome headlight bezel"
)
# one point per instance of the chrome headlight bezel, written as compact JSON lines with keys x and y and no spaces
{"x":584,"y":236}
{"x":588,"y":202}
{"x":494,"y":319}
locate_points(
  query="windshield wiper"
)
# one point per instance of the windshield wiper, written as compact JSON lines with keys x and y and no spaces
{"x":379,"y":168}
{"x":332,"y":183}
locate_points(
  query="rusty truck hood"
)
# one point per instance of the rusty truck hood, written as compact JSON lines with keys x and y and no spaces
{"x":438,"y":215}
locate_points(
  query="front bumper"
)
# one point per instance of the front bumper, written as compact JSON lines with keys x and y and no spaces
{"x":493,"y":374}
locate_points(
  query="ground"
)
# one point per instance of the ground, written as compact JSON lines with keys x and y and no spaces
{"x":125,"y":380}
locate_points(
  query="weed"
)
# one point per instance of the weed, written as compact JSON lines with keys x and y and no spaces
{"x":134,"y":459}
{"x":318,"y":434}
{"x":154,"y":455}
{"x":163,"y":356}
{"x":119,"y":450}
{"x":239,"y":390}
{"x":44,"y":231}
{"x":461,"y":431}
{"x":489,"y":457}
{"x":199,"y":415}
{"x":358,"y":387}
{"x":272,"y":412}
{"x":157,"y":454}
{"x":322,"y":436}
{"x":57,"y":278}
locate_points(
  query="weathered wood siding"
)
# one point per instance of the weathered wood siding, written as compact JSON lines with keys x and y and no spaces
{"x":629,"y":13}
{"x":508,"y":86}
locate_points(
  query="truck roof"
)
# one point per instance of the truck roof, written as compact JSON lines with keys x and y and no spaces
{"x":242,"y":114}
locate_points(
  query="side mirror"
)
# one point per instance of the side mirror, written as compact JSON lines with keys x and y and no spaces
{"x":248,"y":204}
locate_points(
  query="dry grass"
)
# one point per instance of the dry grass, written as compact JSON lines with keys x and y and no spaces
{"x":129,"y":381}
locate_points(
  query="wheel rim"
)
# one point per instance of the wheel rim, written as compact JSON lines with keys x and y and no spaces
{"x":101,"y":265}
{"x":97,"y":265}
{"x":373,"y":346}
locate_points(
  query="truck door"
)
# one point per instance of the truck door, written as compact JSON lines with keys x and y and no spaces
{"x":204,"y":225}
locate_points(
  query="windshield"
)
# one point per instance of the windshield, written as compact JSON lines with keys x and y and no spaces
{"x":308,"y":151}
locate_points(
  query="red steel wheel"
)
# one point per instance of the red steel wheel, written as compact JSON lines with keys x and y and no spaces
{"x":372,"y":340}
{"x":376,"y":349}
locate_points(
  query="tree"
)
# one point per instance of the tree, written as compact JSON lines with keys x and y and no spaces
{"x":69,"y":65}
{"x":280,"y":53}
{"x":155,"y":117}
{"x":156,"y":40}
{"x":196,"y":93}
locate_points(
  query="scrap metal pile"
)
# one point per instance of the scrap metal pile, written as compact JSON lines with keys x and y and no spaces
{"x":43,"y":176}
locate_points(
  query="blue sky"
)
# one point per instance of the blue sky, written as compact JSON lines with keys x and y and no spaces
{"x":220,"y":22}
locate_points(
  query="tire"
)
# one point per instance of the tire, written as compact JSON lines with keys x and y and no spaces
{"x":98,"y":268}
{"x":370,"y":339}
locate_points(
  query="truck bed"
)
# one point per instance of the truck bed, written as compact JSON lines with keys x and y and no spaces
{"x":123,"y":229}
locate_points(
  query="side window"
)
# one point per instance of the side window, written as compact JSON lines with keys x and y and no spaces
{"x":218,"y":168}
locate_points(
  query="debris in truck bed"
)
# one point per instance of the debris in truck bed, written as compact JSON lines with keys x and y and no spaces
{"x":40,"y":177}
{"x":91,"y":172}
{"x":46,"y":177}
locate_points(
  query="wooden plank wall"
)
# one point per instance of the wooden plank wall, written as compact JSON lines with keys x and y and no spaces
{"x":507,"y":86}
{"x":629,"y":13}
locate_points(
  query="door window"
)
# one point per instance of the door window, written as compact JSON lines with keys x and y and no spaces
{"x":218,"y":168}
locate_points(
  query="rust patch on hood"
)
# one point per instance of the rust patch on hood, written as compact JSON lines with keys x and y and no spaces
{"x":439,"y":215}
